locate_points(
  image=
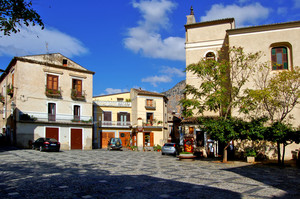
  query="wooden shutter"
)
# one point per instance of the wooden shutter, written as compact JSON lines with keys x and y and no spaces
{"x":128,"y":117}
{"x":273,"y":59}
{"x":144,"y":139}
{"x":52,"y":82}
{"x":119,"y":117}
{"x":107,"y":116}
{"x":151,"y":139}
{"x":49,"y":81}
{"x":79,"y":86}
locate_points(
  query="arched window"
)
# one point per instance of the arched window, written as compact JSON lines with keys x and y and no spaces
{"x":210,"y":55}
{"x":279,"y":58}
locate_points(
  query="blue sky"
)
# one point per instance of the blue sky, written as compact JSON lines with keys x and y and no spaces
{"x":133,"y":43}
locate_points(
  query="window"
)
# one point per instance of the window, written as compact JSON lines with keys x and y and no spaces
{"x":123,"y":119}
{"x":210,"y":56}
{"x":279,"y":58}
{"x":77,"y":87}
{"x":149,"y":102}
{"x":106,"y":118}
{"x":52,"y":82}
{"x":148,"y":139}
{"x":150,"y":119}
{"x":51,"y":111}
{"x":65,"y":62}
{"x":76,"y":112}
{"x":120,"y":99}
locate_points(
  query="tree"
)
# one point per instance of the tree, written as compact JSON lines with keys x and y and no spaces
{"x":275,"y":96}
{"x":221,"y":89}
{"x":14,"y":13}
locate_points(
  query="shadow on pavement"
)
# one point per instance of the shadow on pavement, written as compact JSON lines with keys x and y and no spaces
{"x":34,"y":179}
{"x":287,"y":179}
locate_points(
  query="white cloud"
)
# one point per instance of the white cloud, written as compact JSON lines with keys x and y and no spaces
{"x":282,"y":11}
{"x":244,"y":15}
{"x":33,"y":40}
{"x":154,"y":80}
{"x":146,"y":39}
{"x":114,"y":90}
{"x":172,"y":71}
{"x":296,"y":3}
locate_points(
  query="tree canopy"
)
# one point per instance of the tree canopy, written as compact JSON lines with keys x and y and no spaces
{"x":15,"y":13}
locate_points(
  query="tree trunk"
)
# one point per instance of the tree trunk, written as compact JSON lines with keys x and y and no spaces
{"x":283,"y":153}
{"x":278,"y":152}
{"x":225,"y":155}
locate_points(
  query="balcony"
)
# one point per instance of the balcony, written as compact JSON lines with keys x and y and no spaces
{"x":116,"y":124}
{"x":57,"y":118}
{"x":79,"y":96}
{"x":150,"y":104}
{"x":53,"y":93}
{"x":113,"y":103}
{"x":10,"y":90}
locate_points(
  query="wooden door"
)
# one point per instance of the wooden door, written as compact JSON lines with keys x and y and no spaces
{"x":76,"y":138}
{"x":105,"y":137}
{"x":125,"y":138}
{"x":52,"y":133}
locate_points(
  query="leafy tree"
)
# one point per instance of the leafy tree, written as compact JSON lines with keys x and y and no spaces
{"x":221,"y":89}
{"x":275,"y":96}
{"x":282,"y":134}
{"x":14,"y":13}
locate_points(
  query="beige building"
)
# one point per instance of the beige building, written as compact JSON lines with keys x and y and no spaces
{"x":279,"y":43}
{"x":47,"y":96}
{"x":138,"y":117}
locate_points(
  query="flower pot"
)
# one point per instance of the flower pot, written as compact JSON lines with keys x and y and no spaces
{"x":250,"y":159}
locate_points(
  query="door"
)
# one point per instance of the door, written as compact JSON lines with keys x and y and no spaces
{"x":105,"y":137}
{"x":125,"y":138}
{"x":76,"y":138}
{"x":52,"y":133}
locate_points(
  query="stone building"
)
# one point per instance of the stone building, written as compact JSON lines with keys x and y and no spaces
{"x":278,"y":43}
{"x":47,"y":96}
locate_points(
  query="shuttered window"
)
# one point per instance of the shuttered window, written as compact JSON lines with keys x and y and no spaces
{"x":52,"y":82}
{"x":107,"y":116}
{"x":76,"y":112}
{"x":77,"y":86}
{"x":279,"y":58}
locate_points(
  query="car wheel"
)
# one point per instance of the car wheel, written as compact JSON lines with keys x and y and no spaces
{"x":32,"y":147}
{"x":163,"y":153}
{"x":41,"y":148}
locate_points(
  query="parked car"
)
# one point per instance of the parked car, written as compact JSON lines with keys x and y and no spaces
{"x":169,"y":148}
{"x":46,"y":144}
{"x":114,"y":143}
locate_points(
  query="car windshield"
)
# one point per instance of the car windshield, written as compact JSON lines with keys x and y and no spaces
{"x":169,"y":144}
{"x":51,"y":139}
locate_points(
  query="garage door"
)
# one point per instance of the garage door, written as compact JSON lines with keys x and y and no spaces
{"x":52,"y":133}
{"x":105,"y":137}
{"x":125,"y":138}
{"x":76,"y":138}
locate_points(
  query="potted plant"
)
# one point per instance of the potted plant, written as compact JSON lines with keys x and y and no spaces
{"x":251,"y":154}
{"x":10,"y":90}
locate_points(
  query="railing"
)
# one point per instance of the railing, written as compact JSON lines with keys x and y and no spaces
{"x":75,"y":95}
{"x":114,"y":124}
{"x":113,"y":103}
{"x":53,"y":93}
{"x":150,"y":105}
{"x":61,"y":118}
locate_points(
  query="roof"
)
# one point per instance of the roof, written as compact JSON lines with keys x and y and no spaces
{"x":276,"y":26}
{"x":43,"y":61}
{"x":148,"y":93}
{"x":110,"y":94}
{"x":209,"y":23}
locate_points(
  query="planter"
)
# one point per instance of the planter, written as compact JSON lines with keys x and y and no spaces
{"x":250,"y":159}
{"x":186,"y":157}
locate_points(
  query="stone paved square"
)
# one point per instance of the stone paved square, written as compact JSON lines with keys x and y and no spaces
{"x":128,"y":174}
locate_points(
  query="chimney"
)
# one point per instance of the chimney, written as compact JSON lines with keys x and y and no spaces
{"x":191,"y":18}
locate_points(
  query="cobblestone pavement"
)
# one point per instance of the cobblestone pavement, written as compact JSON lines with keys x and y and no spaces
{"x":127,"y":174}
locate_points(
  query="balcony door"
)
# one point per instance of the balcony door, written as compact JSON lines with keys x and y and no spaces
{"x":51,"y":111}
{"x":106,"y":118}
{"x":123,"y":119}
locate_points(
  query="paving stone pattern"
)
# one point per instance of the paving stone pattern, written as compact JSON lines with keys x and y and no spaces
{"x":128,"y":174}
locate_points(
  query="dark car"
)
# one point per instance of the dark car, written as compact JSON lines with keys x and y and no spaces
{"x":114,"y":143}
{"x":46,"y":144}
{"x":169,"y":148}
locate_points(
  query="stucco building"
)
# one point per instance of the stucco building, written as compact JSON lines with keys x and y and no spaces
{"x":279,"y":43}
{"x":47,"y":96}
{"x":138,"y":117}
